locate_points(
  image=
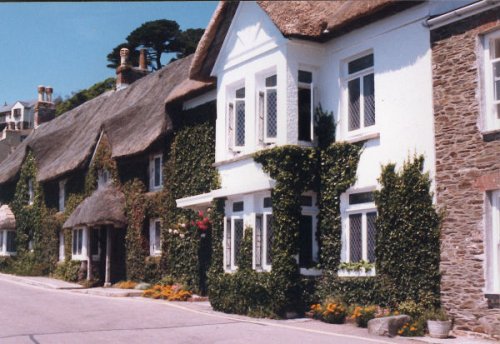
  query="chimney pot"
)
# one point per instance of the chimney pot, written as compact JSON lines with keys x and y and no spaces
{"x":124,"y":52}
{"x":41,"y":93}
{"x":48,"y":91}
{"x":143,"y":64}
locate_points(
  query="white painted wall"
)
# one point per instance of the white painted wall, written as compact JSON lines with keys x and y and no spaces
{"x":403,"y":88}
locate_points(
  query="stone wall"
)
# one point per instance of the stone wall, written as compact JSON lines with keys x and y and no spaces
{"x":467,"y":163}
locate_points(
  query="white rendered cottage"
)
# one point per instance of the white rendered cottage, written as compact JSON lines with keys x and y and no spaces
{"x":275,"y":62}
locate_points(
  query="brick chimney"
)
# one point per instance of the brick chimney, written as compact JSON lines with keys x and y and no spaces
{"x":125,"y":73}
{"x":45,"y":109}
{"x":143,"y":62}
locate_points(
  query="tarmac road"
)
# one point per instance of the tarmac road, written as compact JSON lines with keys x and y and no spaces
{"x":30,"y":314}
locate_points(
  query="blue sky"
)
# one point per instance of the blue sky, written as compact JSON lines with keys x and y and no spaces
{"x":64,"y":45}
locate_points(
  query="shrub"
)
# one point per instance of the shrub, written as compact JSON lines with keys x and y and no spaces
{"x":411,"y":308}
{"x":436,"y":314}
{"x":167,"y":292}
{"x":413,"y":329}
{"x":68,"y":270}
{"x":125,"y":285}
{"x":6,"y":264}
{"x":364,"y":314}
{"x":332,"y":312}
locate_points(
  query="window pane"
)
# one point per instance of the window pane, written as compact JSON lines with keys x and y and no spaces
{"x":306,"y":201}
{"x":355,"y":243}
{"x":304,"y":114}
{"x":1,"y":241}
{"x":369,"y":97}
{"x":353,"y":88}
{"x":305,"y":77}
{"x":361,"y":197}
{"x":228,"y":244}
{"x":268,"y":203}
{"x":238,"y":206}
{"x":238,"y":237}
{"x":258,"y":241}
{"x":240,"y":123}
{"x":497,"y":89}
{"x":157,"y":235}
{"x":271,"y":81}
{"x":11,"y":241}
{"x":497,"y":107}
{"x":75,"y":242}
{"x":305,"y":241}
{"x":94,"y":241}
{"x":272,"y":112}
{"x":158,"y":171}
{"x":80,"y":241}
{"x":371,"y":231}
{"x":360,"y":64}
{"x":496,"y":48}
{"x":269,"y":239}
{"x":240,"y":93}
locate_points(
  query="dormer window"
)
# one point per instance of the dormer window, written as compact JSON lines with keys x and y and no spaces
{"x":155,"y":172}
{"x":103,"y":178}
{"x":236,"y":120}
{"x":268,"y":111}
{"x":305,"y":105}
{"x":62,"y":195}
{"x":31,"y":192}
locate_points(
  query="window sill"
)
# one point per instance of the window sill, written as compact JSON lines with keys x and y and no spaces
{"x":364,"y":136}
{"x":155,"y":254}
{"x":78,"y":257}
{"x":7,"y":254}
{"x":358,"y":273}
{"x":311,"y":272}
{"x":491,"y":135}
{"x":156,"y":189}
{"x":493,"y":300}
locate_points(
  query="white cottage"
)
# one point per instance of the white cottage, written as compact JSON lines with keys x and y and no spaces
{"x":369,"y":62}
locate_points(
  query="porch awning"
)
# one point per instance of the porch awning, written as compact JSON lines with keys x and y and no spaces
{"x":204,"y":200}
{"x":7,"y":218}
{"x":106,"y":206}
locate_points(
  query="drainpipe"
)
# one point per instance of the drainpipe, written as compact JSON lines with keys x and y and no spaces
{"x":460,"y":13}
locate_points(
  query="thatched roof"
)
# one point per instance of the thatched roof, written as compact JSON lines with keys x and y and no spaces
{"x":106,"y":206}
{"x":302,"y":19}
{"x":132,"y":118}
{"x":7,"y":218}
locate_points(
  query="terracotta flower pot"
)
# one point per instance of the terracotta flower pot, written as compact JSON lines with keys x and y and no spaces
{"x":438,"y":328}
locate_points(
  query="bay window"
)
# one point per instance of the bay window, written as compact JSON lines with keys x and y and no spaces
{"x":77,"y":250}
{"x":233,"y":236}
{"x":268,"y":111}
{"x":236,"y":120}
{"x":264,"y":236}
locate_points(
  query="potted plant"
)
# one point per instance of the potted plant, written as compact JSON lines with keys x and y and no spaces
{"x":438,"y":323}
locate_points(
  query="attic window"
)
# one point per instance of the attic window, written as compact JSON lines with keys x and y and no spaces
{"x":155,"y":172}
{"x":103,"y":178}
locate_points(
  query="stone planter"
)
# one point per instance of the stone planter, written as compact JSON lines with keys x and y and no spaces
{"x":438,"y":328}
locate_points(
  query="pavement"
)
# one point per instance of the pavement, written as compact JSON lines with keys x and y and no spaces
{"x":43,"y":310}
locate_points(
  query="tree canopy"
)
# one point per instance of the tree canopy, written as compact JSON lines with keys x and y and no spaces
{"x":157,"y":37}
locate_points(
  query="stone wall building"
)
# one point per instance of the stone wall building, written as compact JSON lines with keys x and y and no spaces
{"x":465,"y":49}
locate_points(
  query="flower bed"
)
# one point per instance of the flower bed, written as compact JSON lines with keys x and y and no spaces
{"x":168,"y":292}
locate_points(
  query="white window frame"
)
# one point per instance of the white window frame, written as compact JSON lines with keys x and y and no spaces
{"x":103,"y":178}
{"x":62,"y":255}
{"x":153,"y":249}
{"x":231,"y":217}
{"x":62,"y":195}
{"x":31,"y":192}
{"x":491,"y":118}
{"x":264,"y":213}
{"x":152,"y":172}
{"x":3,"y":243}
{"x":494,"y":249}
{"x":347,"y":210}
{"x":363,"y":130}
{"x":262,"y":108}
{"x":312,"y":211}
{"x":310,"y":87}
{"x":82,"y":255}
{"x":236,"y":101}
